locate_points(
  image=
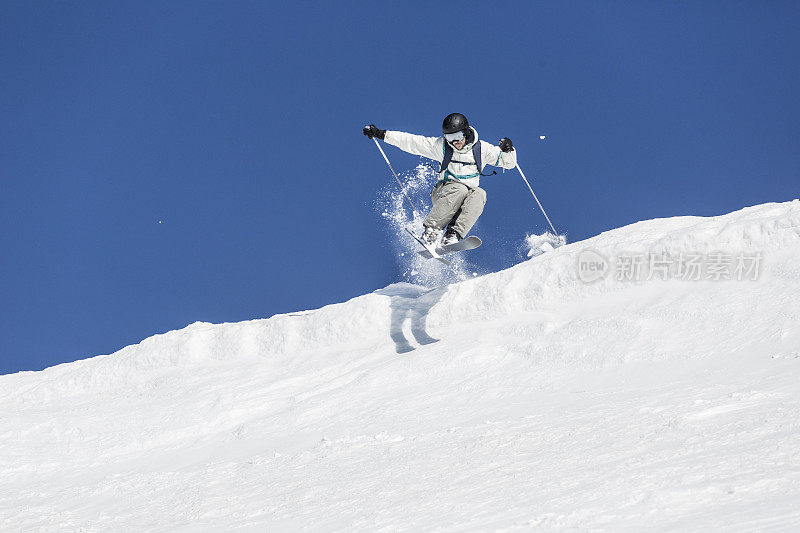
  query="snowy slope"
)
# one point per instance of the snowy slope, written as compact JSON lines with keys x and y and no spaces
{"x":528,"y":397}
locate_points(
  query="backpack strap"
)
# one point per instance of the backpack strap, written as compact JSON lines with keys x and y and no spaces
{"x":448,"y":156}
{"x":476,"y":153}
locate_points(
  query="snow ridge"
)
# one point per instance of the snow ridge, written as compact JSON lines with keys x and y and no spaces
{"x":530,"y":396}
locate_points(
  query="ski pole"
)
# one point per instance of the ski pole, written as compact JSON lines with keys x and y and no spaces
{"x":537,"y":200}
{"x":413,"y":207}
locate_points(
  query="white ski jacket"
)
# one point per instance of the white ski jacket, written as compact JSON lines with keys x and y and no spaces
{"x":433,"y":148}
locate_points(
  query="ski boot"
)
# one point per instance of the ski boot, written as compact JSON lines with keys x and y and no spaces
{"x":450,"y":237}
{"x":430,"y":235}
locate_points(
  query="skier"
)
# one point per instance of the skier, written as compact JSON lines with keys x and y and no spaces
{"x":457,"y":199}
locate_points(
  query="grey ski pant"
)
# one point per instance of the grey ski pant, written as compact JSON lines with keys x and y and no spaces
{"x":455,"y":205}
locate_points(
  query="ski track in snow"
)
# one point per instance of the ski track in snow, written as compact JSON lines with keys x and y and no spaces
{"x":521,"y":399}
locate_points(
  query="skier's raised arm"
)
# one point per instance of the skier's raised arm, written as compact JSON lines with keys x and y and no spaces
{"x":430,"y":147}
{"x":503,"y":155}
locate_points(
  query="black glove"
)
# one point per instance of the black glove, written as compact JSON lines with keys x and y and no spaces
{"x":505,"y":144}
{"x":373,"y":131}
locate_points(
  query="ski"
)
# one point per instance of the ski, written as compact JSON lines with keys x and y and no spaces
{"x":468,"y":243}
{"x":429,"y":250}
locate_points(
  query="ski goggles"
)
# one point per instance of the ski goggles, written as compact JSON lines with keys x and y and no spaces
{"x":453,"y":137}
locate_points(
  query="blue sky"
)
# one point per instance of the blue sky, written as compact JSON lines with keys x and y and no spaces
{"x":171,"y":162}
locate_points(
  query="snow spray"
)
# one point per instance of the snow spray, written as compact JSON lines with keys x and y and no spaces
{"x":390,"y":206}
{"x":546,"y":242}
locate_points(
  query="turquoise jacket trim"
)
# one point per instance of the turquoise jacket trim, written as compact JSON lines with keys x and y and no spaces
{"x":457,"y":176}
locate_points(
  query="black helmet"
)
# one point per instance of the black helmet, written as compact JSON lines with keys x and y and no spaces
{"x":454,"y":122}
